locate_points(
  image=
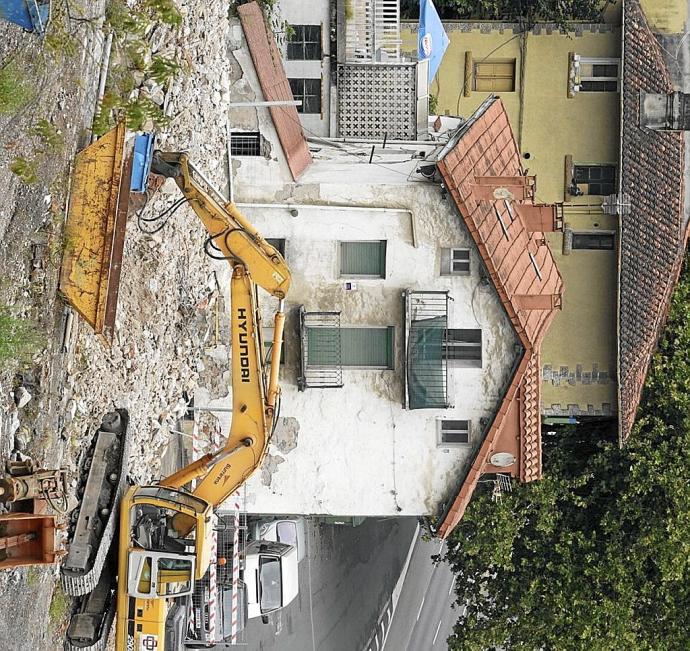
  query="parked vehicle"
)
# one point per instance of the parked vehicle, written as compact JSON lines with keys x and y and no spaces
{"x":290,"y":531}
{"x":270,"y":576}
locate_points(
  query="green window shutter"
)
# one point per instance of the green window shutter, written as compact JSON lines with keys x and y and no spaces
{"x":367,"y":347}
{"x":323,"y":347}
{"x":363,"y":259}
{"x":364,"y":347}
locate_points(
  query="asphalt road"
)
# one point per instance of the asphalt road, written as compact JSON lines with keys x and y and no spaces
{"x":345,"y":581}
{"x":424,"y":617}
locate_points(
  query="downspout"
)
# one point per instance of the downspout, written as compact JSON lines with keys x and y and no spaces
{"x":523,"y":67}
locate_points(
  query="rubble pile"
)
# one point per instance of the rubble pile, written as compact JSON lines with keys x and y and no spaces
{"x":166,"y":327}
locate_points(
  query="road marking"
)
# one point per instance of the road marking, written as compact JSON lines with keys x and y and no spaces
{"x":436,"y":634}
{"x":311,"y":607}
{"x":440,"y":547}
{"x":452,"y":585}
{"x":419,"y":612}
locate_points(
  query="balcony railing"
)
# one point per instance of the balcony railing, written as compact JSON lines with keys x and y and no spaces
{"x":320,"y":350}
{"x":426,"y":364}
{"x":372,"y":32}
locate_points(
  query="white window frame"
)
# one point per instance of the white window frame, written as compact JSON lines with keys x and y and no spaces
{"x":576,"y":77}
{"x":441,"y":430}
{"x":448,"y":261}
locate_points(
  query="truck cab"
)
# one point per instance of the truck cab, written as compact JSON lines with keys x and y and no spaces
{"x":270,"y":576}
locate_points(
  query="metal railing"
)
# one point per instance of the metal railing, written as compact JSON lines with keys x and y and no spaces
{"x":320,"y":350}
{"x":372,"y":33}
{"x":426,"y":356}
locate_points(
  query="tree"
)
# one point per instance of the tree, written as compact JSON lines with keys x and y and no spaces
{"x":519,"y":11}
{"x":596,"y":555}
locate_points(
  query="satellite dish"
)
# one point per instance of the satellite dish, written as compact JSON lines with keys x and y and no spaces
{"x":502,"y":459}
{"x":503,"y":193}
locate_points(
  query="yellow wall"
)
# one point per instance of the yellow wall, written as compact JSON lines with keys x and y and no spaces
{"x":579,"y":353}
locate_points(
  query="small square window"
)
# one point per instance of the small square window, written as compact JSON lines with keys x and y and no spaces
{"x":245,"y":143}
{"x":453,"y":432}
{"x":455,"y":262}
{"x":363,"y":259}
{"x":278,"y":244}
{"x":594,"y":241}
{"x":494,"y":75}
{"x":463,"y":347}
{"x":309,"y":91}
{"x":597,"y":180}
{"x":304,"y":43}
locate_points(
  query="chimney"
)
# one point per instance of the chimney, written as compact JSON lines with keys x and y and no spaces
{"x":665,"y":111}
{"x":537,"y":301}
{"x":539,"y":217}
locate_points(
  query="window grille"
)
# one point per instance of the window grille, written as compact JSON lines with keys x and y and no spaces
{"x":245,"y":143}
{"x":463,"y":347}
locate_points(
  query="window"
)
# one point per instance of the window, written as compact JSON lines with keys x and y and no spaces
{"x":366,"y":259}
{"x":463,"y":347}
{"x":595,"y":241}
{"x":245,"y":143}
{"x":455,"y":262}
{"x":309,"y":91}
{"x":278,"y":244}
{"x":594,"y":179}
{"x":494,"y":75}
{"x":598,"y":75}
{"x":304,"y":43}
{"x":455,"y":431}
{"x":356,"y":347}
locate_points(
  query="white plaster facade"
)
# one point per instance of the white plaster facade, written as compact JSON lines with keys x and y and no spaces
{"x":357,"y":450}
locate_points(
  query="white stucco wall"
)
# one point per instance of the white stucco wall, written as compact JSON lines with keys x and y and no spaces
{"x":356,"y":450}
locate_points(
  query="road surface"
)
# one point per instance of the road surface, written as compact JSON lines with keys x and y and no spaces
{"x":352,"y":571}
{"x":424,"y":617}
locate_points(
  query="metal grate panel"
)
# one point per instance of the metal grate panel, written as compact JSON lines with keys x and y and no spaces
{"x":320,"y":350}
{"x":377,"y":99}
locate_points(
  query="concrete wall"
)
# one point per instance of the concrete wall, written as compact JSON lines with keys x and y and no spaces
{"x":356,"y":450}
{"x":579,"y":352}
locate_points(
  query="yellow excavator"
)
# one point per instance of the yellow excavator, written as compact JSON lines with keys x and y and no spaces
{"x":165,"y":529}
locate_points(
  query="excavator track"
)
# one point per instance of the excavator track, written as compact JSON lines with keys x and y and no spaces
{"x":95,"y":523}
{"x":94,"y":614}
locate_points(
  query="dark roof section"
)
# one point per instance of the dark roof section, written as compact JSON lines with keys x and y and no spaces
{"x":652,"y":237}
{"x":512,"y":255}
{"x":275,"y":86}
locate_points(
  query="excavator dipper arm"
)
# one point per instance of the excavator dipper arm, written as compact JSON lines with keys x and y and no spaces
{"x":254,"y":262}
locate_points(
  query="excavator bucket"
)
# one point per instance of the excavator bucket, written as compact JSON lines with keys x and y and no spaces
{"x":95,"y":229}
{"x":28,"y":539}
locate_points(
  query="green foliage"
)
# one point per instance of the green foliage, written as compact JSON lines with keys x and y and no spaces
{"x":523,"y":11}
{"x":165,"y":11}
{"x":51,"y":139}
{"x":59,"y":607}
{"x":433,"y":104}
{"x":26,"y":169}
{"x":138,"y":111}
{"x":596,"y":555}
{"x":14,"y":91}
{"x":20,"y":338}
{"x":163,"y":69}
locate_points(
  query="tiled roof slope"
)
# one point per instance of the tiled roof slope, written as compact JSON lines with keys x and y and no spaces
{"x":652,"y":238}
{"x":275,"y":86}
{"x":488,"y":148}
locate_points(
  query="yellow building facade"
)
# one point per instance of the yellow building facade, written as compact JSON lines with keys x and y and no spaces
{"x":562,"y":96}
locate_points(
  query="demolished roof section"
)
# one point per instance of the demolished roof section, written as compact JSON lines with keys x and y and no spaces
{"x":521,"y":266}
{"x":275,"y":86}
{"x":652,"y":233}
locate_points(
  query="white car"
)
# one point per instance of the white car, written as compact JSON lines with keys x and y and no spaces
{"x":290,"y":531}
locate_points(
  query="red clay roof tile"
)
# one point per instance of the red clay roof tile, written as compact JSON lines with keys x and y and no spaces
{"x":275,"y":86}
{"x":488,"y":148}
{"x":653,"y":234}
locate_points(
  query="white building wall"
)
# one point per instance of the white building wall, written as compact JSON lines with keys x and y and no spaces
{"x":314,"y":12}
{"x":356,"y":450}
